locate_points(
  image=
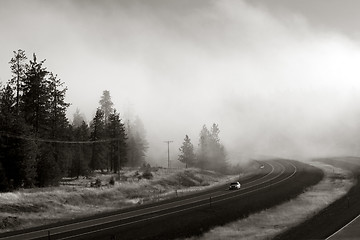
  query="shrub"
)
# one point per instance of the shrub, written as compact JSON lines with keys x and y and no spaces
{"x":97,"y":183}
{"x":137,"y":175}
{"x":145,"y":166}
{"x":147,"y":174}
{"x":112,"y":181}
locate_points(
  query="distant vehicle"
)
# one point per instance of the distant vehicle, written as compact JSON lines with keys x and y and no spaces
{"x":262,"y":166}
{"x":234,"y":186}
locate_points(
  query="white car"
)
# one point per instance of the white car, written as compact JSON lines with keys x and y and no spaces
{"x":234,"y":186}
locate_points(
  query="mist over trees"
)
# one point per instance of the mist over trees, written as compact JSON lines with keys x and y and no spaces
{"x":39,"y":146}
{"x":210,"y":154}
{"x":107,"y":124}
{"x":136,"y":142}
{"x":187,"y":155}
{"x":106,"y":105}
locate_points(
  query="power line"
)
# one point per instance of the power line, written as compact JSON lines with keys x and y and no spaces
{"x":9,"y":135}
{"x":168,"y":143}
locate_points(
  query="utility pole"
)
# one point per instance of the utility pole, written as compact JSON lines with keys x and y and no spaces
{"x":168,"y":143}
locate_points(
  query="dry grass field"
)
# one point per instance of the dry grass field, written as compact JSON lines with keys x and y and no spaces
{"x":76,"y":198}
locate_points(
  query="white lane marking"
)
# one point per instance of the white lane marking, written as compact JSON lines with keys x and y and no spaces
{"x":111,"y":218}
{"x":185,"y":209}
{"x":332,"y":235}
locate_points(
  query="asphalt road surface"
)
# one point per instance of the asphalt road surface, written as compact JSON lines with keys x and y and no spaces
{"x":349,"y":231}
{"x":189,"y":215}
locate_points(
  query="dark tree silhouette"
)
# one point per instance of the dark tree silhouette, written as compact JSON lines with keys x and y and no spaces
{"x":99,"y":149}
{"x":202,"y":154}
{"x":38,"y":146}
{"x":211,"y":153}
{"x":17,"y":156}
{"x":17,"y":66}
{"x":136,"y":143}
{"x":35,"y":100}
{"x":187,"y":155}
{"x":106,"y":105}
{"x":117,"y":147}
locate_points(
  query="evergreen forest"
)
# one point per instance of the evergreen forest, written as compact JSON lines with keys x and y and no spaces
{"x":39,"y":145}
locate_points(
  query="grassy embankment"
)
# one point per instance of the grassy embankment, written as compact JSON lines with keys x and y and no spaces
{"x":269,"y":223}
{"x":33,"y":207}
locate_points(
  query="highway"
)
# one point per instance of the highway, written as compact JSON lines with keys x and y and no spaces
{"x":153,"y":216}
{"x":340,"y":219}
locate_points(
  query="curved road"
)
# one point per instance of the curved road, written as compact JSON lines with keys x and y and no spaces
{"x":337,"y":215}
{"x":150,"y":218}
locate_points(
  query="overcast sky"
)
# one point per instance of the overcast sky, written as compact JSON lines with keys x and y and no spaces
{"x":280,"y":77}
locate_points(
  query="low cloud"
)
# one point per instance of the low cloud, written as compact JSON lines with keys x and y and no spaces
{"x":275,"y":85}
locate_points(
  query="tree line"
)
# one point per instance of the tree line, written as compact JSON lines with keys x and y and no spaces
{"x":39,"y":145}
{"x":210,"y":153}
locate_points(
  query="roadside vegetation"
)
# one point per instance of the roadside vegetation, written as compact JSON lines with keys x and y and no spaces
{"x":103,"y":192}
{"x":270,"y":222}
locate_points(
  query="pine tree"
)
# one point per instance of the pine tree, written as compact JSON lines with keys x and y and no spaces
{"x":99,"y":150}
{"x":214,"y":133}
{"x":117,"y":148}
{"x":35,"y":99}
{"x":44,"y":110}
{"x":58,"y":121}
{"x":81,"y":153}
{"x":136,"y":143}
{"x":217,"y":156}
{"x":106,"y":105}
{"x":78,"y":118}
{"x":6,"y":144}
{"x":32,"y":107}
{"x":3,"y":179}
{"x":187,"y":155}
{"x":17,"y":66}
{"x":7,"y":108}
{"x":202,"y":155}
{"x":211,"y":154}
{"x":17,"y":156}
{"x":48,"y":170}
{"x":28,"y":163}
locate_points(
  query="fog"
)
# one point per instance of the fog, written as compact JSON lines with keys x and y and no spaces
{"x":277,"y":85}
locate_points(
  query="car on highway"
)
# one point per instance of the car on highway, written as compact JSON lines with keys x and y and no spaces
{"x":234,"y":186}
